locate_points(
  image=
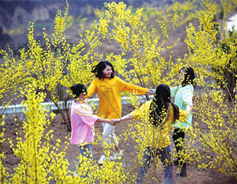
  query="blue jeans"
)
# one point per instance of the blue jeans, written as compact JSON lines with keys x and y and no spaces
{"x":85,"y":151}
{"x":163,"y":154}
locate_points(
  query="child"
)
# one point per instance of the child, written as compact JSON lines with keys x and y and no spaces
{"x":183,"y":99}
{"x":83,"y":121}
{"x":159,"y":114}
{"x":108,"y":88}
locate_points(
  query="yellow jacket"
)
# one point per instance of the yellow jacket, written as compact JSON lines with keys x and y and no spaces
{"x":108,"y":91}
{"x":156,"y":137}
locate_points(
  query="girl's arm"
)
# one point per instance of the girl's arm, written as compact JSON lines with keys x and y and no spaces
{"x":126,"y":117}
{"x":183,"y":115}
{"x":136,"y":114}
{"x":102,"y":120}
{"x":150,"y":92}
{"x":92,"y":89}
{"x":124,"y":86}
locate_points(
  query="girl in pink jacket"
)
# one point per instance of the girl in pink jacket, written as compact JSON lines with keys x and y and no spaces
{"x":83,"y":121}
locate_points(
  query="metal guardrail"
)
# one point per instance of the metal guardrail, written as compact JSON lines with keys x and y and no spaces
{"x":51,"y":106}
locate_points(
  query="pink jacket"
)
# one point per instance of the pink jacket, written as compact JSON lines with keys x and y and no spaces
{"x":82,"y":122}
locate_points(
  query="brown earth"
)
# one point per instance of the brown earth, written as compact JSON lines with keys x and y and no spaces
{"x":195,"y":176}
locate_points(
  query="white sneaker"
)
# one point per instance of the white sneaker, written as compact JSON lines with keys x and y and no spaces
{"x":102,"y":158}
{"x":116,"y":156}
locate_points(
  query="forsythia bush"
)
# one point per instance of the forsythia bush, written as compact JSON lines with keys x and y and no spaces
{"x":146,"y":56}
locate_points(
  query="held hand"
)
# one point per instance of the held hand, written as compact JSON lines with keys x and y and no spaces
{"x":115,"y":122}
{"x":149,"y":92}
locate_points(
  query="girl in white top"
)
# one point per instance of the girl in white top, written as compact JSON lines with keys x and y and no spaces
{"x":184,"y":100}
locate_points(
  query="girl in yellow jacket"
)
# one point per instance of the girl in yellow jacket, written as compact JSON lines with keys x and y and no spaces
{"x":108,"y":88}
{"x":157,"y":117}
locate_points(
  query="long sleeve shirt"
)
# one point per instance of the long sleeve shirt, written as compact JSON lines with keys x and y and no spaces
{"x":183,"y":97}
{"x":155,"y":137}
{"x":82,"y":122}
{"x":108,"y":91}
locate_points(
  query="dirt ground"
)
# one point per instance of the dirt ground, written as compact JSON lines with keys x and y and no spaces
{"x":195,"y":176}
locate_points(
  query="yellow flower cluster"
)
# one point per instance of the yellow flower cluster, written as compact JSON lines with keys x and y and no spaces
{"x":146,"y":56}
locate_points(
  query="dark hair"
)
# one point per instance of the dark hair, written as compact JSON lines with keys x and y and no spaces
{"x":188,"y":76}
{"x":159,"y":105}
{"x":98,"y":69}
{"x":78,"y":89}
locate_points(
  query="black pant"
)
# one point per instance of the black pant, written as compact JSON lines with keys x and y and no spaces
{"x":178,"y":137}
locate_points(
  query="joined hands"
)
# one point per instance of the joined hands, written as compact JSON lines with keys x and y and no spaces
{"x":114,"y":122}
